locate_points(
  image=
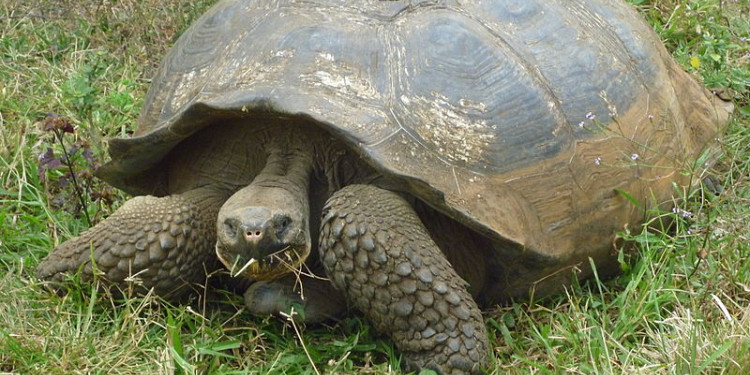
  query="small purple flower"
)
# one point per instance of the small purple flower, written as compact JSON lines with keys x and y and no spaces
{"x":681,"y":212}
{"x":634,"y":157}
{"x":590,"y":116}
{"x":598,"y":160}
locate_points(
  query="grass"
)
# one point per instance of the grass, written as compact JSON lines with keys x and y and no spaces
{"x":681,"y":307}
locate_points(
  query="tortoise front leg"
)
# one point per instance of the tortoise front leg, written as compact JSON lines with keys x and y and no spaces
{"x":162,"y":243}
{"x":379,"y":254}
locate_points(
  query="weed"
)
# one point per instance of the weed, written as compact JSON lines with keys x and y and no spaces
{"x":72,"y":189}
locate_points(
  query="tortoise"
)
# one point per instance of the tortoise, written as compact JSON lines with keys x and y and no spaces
{"x":429,"y":158}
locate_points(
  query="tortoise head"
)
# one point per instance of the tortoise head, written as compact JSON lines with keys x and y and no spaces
{"x":263,"y":230}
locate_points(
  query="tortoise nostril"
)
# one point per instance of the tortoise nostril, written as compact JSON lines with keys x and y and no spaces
{"x":253,"y":235}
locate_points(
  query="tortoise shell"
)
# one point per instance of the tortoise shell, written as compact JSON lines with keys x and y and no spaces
{"x":524,"y":119}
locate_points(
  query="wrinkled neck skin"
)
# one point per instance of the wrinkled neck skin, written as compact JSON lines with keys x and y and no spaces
{"x":288,"y":168}
{"x":273,"y":213}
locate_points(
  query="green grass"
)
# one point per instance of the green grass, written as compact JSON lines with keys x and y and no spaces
{"x":681,"y":307}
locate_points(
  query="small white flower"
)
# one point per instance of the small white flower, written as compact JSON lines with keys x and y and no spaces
{"x":581,"y":124}
{"x":598,"y":160}
{"x":634,"y":157}
{"x":650,"y":117}
{"x":590,"y":116}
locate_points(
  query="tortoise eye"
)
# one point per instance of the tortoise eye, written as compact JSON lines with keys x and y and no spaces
{"x":281,"y":224}
{"x":230,"y":227}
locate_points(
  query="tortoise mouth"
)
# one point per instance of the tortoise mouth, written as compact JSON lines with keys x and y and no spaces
{"x":282,"y":262}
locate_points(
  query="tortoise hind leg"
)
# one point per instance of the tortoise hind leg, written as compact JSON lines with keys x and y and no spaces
{"x":379,"y":254}
{"x":161,"y":243}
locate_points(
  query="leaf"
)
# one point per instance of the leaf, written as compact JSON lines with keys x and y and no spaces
{"x":175,"y":345}
{"x":88,"y":155}
{"x":216,"y":349}
{"x":48,"y":160}
{"x":628,"y":197}
{"x":74,"y":149}
{"x":715,"y":355}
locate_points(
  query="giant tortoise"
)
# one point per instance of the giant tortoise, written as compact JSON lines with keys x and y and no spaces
{"x":422,"y":159}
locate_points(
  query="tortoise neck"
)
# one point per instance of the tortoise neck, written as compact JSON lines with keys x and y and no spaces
{"x":289,"y":163}
{"x":295,"y":156}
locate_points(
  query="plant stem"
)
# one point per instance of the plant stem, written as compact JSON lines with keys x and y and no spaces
{"x":69,"y":163}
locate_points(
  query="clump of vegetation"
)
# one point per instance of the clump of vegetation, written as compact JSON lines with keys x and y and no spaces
{"x":709,"y":38}
{"x":68,"y":173}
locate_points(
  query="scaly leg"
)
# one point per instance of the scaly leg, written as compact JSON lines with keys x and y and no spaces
{"x":379,"y":254}
{"x":162,"y":243}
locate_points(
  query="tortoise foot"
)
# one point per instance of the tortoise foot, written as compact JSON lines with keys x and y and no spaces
{"x":376,"y":250}
{"x":149,"y":242}
{"x":314,"y":300}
